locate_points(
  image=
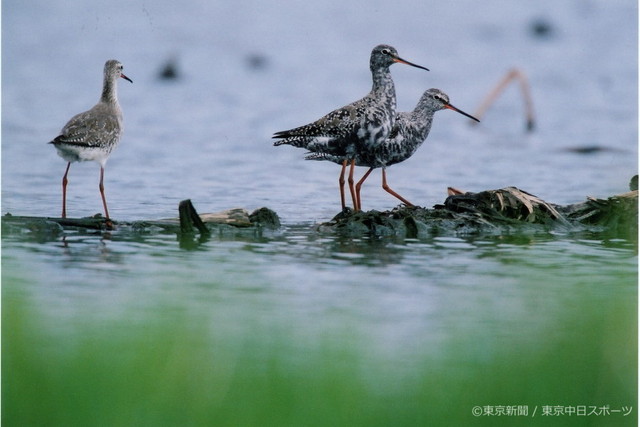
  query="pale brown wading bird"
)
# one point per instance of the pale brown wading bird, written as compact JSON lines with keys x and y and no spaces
{"x":94,"y":134}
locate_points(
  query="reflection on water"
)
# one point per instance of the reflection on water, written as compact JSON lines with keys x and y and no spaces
{"x":374,"y":283}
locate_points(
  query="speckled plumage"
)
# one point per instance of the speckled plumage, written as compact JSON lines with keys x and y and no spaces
{"x":358,"y":126}
{"x":93,"y":134}
{"x":410,"y":130}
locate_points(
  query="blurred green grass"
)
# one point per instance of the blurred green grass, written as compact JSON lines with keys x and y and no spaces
{"x":169,"y":368}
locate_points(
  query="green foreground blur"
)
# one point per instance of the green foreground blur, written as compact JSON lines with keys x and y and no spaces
{"x":170,"y":368}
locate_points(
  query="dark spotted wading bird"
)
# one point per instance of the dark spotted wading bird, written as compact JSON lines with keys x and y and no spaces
{"x":359,"y":126}
{"x":409,"y":132}
{"x":94,"y":134}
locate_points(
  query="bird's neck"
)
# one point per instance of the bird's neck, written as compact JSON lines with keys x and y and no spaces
{"x":421,"y":122}
{"x":109,"y":93}
{"x":382,"y":78}
{"x":383,"y":87}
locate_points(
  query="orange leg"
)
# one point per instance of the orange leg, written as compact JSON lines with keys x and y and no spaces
{"x":356,"y":207}
{"x":64,"y":191}
{"x":390,"y":191}
{"x":359,"y":185}
{"x":341,"y":184}
{"x":101,"y":186}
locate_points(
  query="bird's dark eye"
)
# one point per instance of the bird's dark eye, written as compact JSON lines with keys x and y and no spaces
{"x":386,"y":51}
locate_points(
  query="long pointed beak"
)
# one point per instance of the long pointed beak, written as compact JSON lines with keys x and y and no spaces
{"x":402,"y":61}
{"x":451,"y":107}
{"x":126,"y":78}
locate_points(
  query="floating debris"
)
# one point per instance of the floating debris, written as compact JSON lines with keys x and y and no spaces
{"x":188,"y":220}
{"x":503,"y":211}
{"x":506,"y":210}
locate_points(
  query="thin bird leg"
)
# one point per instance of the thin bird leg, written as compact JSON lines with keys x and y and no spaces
{"x":390,"y":191}
{"x":356,"y":207}
{"x":528,"y":103}
{"x":64,"y":191}
{"x":359,"y":184}
{"x":341,"y":183}
{"x":101,"y":186}
{"x":513,"y":74}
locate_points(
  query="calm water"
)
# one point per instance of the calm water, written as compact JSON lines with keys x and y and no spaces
{"x":252,"y":68}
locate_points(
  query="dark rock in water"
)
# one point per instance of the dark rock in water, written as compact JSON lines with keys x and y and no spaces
{"x":633,"y":184}
{"x":265,"y":217}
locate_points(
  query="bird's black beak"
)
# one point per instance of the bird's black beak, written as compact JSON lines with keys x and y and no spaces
{"x":451,"y":107}
{"x":403,"y":61}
